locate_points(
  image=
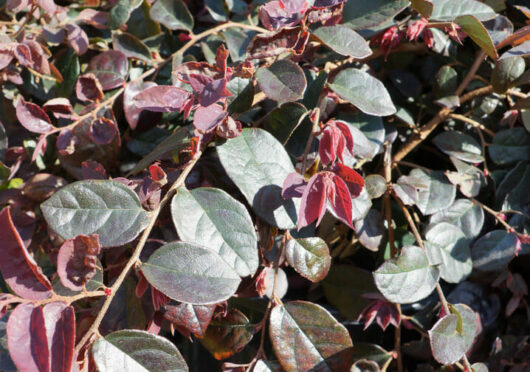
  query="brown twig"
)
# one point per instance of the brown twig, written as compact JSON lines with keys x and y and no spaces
{"x":309,"y":142}
{"x":474,"y":123}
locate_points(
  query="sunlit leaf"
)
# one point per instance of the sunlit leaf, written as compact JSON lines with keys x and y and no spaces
{"x":76,"y":261}
{"x":343,"y":40}
{"x":309,"y":257}
{"x":173,"y":14}
{"x":448,"y":10}
{"x":110,"y":68}
{"x":360,"y":14}
{"x":478,"y":33}
{"x":493,"y":251}
{"x":463,"y":214}
{"x":460,"y":145}
{"x":120,"y":13}
{"x":283,"y":81}
{"x":131,"y":46}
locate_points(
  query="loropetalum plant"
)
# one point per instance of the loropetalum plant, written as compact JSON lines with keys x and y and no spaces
{"x":166,"y":167}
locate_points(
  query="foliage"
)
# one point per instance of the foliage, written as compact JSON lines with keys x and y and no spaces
{"x":248,"y":185}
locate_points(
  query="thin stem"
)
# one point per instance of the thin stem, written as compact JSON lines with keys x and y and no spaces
{"x":67,"y":299}
{"x":494,"y":213}
{"x":136,"y":253}
{"x":474,"y":123}
{"x":309,"y":142}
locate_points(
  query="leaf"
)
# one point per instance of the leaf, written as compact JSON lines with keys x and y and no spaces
{"x":286,"y":39}
{"x":470,"y":179}
{"x":173,"y":14}
{"x":59,"y":320}
{"x":509,"y":146}
{"x":211,"y":217}
{"x":258,"y":164}
{"x":344,"y":287}
{"x":26,"y":339}
{"x":137,"y":116}
{"x":76,"y":261}
{"x":227,"y":335}
{"x":133,"y":350}
{"x":373,"y":352}
{"x":506,"y":73}
{"x":107,"y":208}
{"x":19,"y":269}
{"x":521,"y":50}
{"x":120,"y":13}
{"x":424,"y":7}
{"x":237,"y":41}
{"x":460,"y":145}
{"x":76,"y":38}
{"x":494,"y":251}
{"x":283,"y":120}
{"x":217,"y":10}
{"x":368,"y":134}
{"x":161,"y":98}
{"x":448,"y":343}
{"x":361,"y":205}
{"x":110,"y":68}
{"x":188,"y":318}
{"x":32,"y":117}
{"x":448,"y":248}
{"x":207,"y":119}
{"x":435,"y":192}
{"x":314,"y":200}
{"x":309,"y":257}
{"x":343,"y":40}
{"x":88,"y":88}
{"x":131,"y":46}
{"x":306,"y":337}
{"x":361,"y":14}
{"x":463,"y":214}
{"x":363,"y":91}
{"x":478,"y":33}
{"x":449,"y":10}
{"x":370,"y":230}
{"x":408,"y":278}
{"x":364,"y":365}
{"x":375,"y":185}
{"x":191,"y":273}
{"x":283,"y":81}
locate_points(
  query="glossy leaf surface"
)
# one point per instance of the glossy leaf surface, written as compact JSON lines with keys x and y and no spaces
{"x":309,"y":257}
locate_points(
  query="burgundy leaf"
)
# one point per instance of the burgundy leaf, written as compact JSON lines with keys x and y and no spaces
{"x":76,"y":261}
{"x":273,"y":16}
{"x":40,"y":148}
{"x":336,"y":139}
{"x":94,"y":18}
{"x":38,"y":59}
{"x":19,"y":269}
{"x":60,"y":107}
{"x":92,"y":170}
{"x":76,"y":38}
{"x":88,"y":88}
{"x":328,"y":16}
{"x":221,"y":58}
{"x":383,"y":312}
{"x":103,"y":131}
{"x":293,"y":186}
{"x":23,"y":55}
{"x":353,"y":180}
{"x":213,"y":92}
{"x":157,"y":174}
{"x":26,"y":339}
{"x":182,"y":72}
{"x":294,"y":6}
{"x":327,"y":3}
{"x":229,"y":128}
{"x":59,"y":320}
{"x":136,"y":115}
{"x":207,"y":118}
{"x":327,"y":148}
{"x":313,"y":204}
{"x":110,"y":68}
{"x":42,"y":185}
{"x":340,"y":200}
{"x":287,"y":39}
{"x":32,"y":117}
{"x":162,"y":98}
{"x":198,"y":82}
{"x":190,"y":319}
{"x":66,"y":142}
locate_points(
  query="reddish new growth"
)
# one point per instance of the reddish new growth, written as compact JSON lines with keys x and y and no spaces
{"x":388,"y":39}
{"x":382,"y":311}
{"x":419,"y":28}
{"x":334,"y":187}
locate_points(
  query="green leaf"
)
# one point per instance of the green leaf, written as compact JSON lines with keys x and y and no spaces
{"x":448,"y":10}
{"x":469,"y":178}
{"x":68,"y":64}
{"x":363,"y":91}
{"x":120,"y":13}
{"x":478,"y":33}
{"x":211,"y":217}
{"x":344,"y":287}
{"x":258,"y":164}
{"x":242,"y":95}
{"x":424,"y":7}
{"x":459,"y":145}
{"x":367,"y":126}
{"x":408,"y":278}
{"x":309,"y":257}
{"x":139,"y":351}
{"x":373,"y":352}
{"x":237,"y":41}
{"x":463,"y":214}
{"x":343,"y":40}
{"x":446,"y":81}
{"x":494,"y":251}
{"x":509,"y":146}
{"x":191,"y":273}
{"x":360,"y":14}
{"x":173,"y":14}
{"x":107,"y":208}
{"x":506,"y":73}
{"x":283,"y":121}
{"x":513,"y":181}
{"x":304,"y":335}
{"x":370,"y":230}
{"x":448,"y":248}
{"x":283,"y":81}
{"x":447,"y":343}
{"x":131,"y":46}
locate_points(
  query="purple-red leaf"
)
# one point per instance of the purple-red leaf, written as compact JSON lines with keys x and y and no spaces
{"x":110,"y":68}
{"x":336,"y":139}
{"x":76,"y":261}
{"x":92,"y":170}
{"x":208,"y":90}
{"x":66,"y":141}
{"x":19,"y":269}
{"x":88,"y":88}
{"x":32,"y":117}
{"x":136,"y":115}
{"x":353,"y":180}
{"x":229,"y":128}
{"x":94,"y":18}
{"x":190,"y":319}
{"x":26,"y":339}
{"x":273,"y":16}
{"x":340,"y":200}
{"x":207,"y":118}
{"x":313,"y":204}
{"x":293,"y":186}
{"x":103,"y":131}
{"x":162,"y":98}
{"x":60,"y":107}
{"x":294,"y":6}
{"x":59,"y":321}
{"x":30,"y":54}
{"x":76,"y":38}
{"x":287,"y":39}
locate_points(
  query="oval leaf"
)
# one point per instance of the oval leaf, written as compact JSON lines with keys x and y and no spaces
{"x":448,"y":10}
{"x":304,"y":335}
{"x":132,"y":350}
{"x":408,"y":278}
{"x":173,"y":14}
{"x":131,"y":46}
{"x":478,"y":33}
{"x":258,"y":164}
{"x":363,"y":91}
{"x":463,"y":214}
{"x":32,"y":117}
{"x":110,"y":68}
{"x":493,"y":251}
{"x":212,"y":218}
{"x":309,"y":257}
{"x":343,"y":40}
{"x":107,"y":208}
{"x":459,"y":145}
{"x":77,"y":260}
{"x":283,"y":81}
{"x":191,"y":273}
